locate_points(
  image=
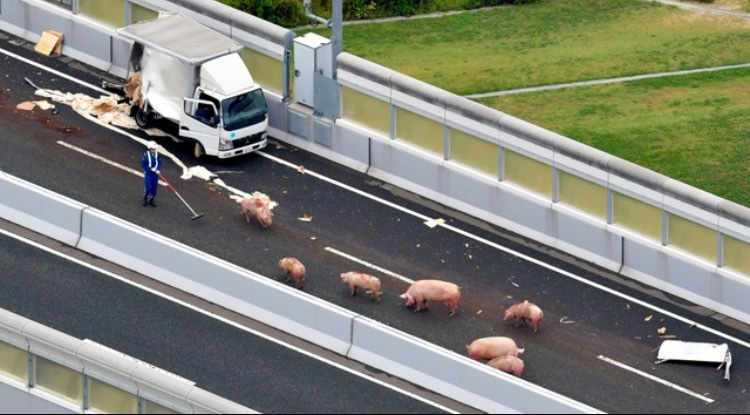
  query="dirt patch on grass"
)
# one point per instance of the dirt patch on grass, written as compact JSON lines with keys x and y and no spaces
{"x":706,"y":17}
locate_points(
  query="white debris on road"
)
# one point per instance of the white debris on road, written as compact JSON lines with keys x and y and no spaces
{"x":696,"y":352}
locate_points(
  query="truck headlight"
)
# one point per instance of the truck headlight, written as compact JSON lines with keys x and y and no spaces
{"x":225,"y":145}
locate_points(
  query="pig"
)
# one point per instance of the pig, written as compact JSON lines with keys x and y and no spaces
{"x":525,"y":311}
{"x":259,"y":206}
{"x":508,"y":364}
{"x":492,"y":347}
{"x":432,"y":290}
{"x":367,"y":282}
{"x":293,"y":267}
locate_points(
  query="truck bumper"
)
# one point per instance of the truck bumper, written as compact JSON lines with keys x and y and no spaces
{"x":243,"y":150}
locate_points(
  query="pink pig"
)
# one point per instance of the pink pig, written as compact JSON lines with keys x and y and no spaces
{"x":492,"y":347}
{"x":365,"y":281}
{"x":432,"y":290}
{"x":508,"y":364}
{"x":257,"y":205}
{"x":295,"y":268}
{"x":525,"y":311}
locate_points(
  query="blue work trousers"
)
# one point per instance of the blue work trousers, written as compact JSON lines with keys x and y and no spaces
{"x":151,"y":183}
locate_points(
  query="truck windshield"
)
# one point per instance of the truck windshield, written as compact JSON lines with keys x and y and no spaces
{"x":243,"y":110}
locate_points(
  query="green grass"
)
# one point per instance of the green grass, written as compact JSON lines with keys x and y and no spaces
{"x":693,"y":128}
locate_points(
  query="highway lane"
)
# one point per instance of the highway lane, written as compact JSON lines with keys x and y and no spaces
{"x":233,"y":356}
{"x":587,"y":326}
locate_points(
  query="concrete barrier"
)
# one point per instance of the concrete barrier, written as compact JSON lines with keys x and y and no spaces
{"x":216,"y":280}
{"x":39,"y":209}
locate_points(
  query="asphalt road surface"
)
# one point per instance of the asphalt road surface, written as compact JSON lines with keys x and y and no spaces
{"x":596,"y":344}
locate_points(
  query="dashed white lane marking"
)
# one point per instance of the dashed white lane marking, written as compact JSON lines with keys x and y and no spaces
{"x":368,"y":264}
{"x":100,"y":158}
{"x":655,"y":379}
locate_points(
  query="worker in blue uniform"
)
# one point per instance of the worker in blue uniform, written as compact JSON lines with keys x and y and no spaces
{"x":151,"y":164}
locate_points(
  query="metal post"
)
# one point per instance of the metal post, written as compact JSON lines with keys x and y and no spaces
{"x":337,"y":35}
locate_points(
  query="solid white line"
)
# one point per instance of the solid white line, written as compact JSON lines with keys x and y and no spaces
{"x":655,"y":379}
{"x":344,"y":186}
{"x":514,"y":253}
{"x":100,"y":158}
{"x":368,"y":264}
{"x":60,"y":74}
{"x":227,"y":321}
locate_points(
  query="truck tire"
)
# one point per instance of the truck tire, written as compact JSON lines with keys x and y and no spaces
{"x":142,"y":118}
{"x":198,"y":150}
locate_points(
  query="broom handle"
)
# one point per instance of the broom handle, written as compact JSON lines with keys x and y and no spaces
{"x":178,"y":195}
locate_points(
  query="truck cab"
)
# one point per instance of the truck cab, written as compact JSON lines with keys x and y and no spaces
{"x":195,"y":77}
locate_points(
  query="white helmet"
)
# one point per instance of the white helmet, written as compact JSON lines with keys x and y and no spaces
{"x":152,"y":144}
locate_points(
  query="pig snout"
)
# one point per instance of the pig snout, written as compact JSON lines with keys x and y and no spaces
{"x":525,"y":312}
{"x":508,"y":364}
{"x":293,"y":268}
{"x":369,"y":283}
{"x":410,"y":300}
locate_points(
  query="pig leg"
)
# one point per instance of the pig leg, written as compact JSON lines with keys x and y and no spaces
{"x":353,"y":289}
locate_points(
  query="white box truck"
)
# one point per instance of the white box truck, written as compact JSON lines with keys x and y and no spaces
{"x":195,"y":77}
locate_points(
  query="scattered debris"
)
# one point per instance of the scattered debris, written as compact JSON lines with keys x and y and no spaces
{"x":434,"y":222}
{"x":301,"y":169}
{"x":564,"y":320}
{"x":313,"y":238}
{"x":306,"y":218}
{"x":26,"y":106}
{"x":697,"y":352}
{"x":49,"y":42}
{"x":668,"y":336}
{"x":648,"y":318}
{"x":661,"y":330}
{"x":479,"y":312}
{"x":44,"y":105}
{"x":515,"y":285}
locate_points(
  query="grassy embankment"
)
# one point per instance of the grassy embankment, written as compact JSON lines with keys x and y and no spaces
{"x":693,"y":128}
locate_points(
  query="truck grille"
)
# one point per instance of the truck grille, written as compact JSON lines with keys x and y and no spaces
{"x":246,"y":141}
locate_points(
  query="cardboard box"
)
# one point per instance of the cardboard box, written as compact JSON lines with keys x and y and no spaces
{"x":49,"y":42}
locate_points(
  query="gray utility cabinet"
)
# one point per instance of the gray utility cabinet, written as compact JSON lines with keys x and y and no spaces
{"x":312,"y":55}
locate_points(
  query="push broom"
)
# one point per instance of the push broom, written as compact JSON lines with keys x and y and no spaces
{"x":195,"y":215}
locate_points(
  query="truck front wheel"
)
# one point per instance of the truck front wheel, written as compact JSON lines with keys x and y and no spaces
{"x":142,"y":118}
{"x":198,"y":150}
